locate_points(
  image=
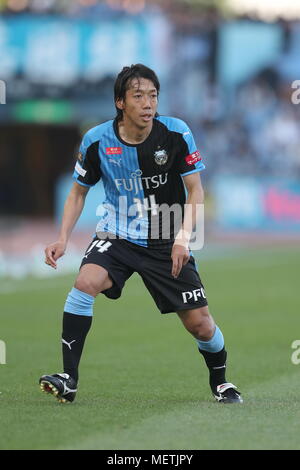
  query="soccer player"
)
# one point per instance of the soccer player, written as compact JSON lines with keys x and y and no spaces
{"x":146,"y":162}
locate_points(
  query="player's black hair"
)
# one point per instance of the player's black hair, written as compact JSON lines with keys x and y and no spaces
{"x":124,"y":79}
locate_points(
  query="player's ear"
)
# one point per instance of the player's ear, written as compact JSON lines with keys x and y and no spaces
{"x":120,"y":103}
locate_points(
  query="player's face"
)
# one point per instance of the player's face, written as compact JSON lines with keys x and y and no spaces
{"x":140,"y":104}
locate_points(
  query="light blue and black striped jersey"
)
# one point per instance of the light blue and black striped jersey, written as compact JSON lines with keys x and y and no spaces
{"x":139,"y":179}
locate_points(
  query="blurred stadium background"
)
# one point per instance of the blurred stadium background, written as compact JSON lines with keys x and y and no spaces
{"x":227,"y":68}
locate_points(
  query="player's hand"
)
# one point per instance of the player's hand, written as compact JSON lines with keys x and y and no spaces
{"x":53,"y":252}
{"x":180,"y":257}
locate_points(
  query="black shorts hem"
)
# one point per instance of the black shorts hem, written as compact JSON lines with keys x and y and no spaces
{"x":179,"y":309}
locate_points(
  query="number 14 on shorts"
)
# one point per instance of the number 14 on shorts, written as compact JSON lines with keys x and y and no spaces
{"x":102,"y":246}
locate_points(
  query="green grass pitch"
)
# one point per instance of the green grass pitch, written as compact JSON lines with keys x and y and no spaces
{"x":143,"y":385}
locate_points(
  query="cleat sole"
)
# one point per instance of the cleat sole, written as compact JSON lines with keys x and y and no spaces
{"x":62,"y":394}
{"x":62,"y":400}
{"x":47,"y":387}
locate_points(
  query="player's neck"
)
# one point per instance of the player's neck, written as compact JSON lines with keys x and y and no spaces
{"x":132,"y":134}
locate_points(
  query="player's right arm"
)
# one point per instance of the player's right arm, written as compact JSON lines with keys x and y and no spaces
{"x":86,"y":174}
{"x":72,"y":210}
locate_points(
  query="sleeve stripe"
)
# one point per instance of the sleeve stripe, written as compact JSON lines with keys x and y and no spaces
{"x":193,"y":171}
{"x":80,"y":170}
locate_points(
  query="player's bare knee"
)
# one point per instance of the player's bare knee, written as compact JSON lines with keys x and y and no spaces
{"x":93,"y":279}
{"x":201,"y":331}
{"x":85,"y":285}
{"x":92,"y":286}
{"x":203,"y":328}
{"x":204,"y":332}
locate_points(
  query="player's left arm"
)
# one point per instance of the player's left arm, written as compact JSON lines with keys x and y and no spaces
{"x":180,"y":251}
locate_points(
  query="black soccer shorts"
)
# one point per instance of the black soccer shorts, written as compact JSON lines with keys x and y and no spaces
{"x":122,"y":258}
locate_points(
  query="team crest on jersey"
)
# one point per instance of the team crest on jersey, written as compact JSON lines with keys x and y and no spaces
{"x":161,"y":157}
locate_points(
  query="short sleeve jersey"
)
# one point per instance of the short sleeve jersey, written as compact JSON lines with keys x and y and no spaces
{"x":141,"y":181}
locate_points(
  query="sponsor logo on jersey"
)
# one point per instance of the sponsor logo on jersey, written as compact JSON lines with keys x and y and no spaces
{"x":193,"y":158}
{"x":113,"y":150}
{"x":137,"y":182}
{"x":194,"y":294}
{"x":161,"y":157}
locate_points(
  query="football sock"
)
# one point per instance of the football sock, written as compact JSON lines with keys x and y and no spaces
{"x":215,"y":355}
{"x":79,"y":303}
{"x":75,"y":329}
{"x":77,"y":320}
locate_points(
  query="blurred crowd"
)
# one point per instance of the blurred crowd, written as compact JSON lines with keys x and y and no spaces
{"x":184,"y":14}
{"x":253,"y":129}
{"x":257,"y":134}
{"x":70,"y":7}
{"x":98,"y":7}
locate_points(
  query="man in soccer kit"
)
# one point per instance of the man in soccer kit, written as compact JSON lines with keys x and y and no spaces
{"x":147,"y":164}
